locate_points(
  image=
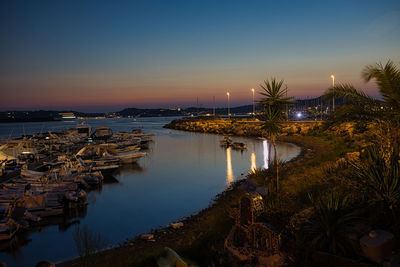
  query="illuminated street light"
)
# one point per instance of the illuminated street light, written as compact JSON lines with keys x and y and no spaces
{"x":254,"y":109}
{"x":229,"y":112}
{"x":333,"y":96}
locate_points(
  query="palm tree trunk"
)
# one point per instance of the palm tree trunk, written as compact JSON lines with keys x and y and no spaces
{"x":276,"y":163}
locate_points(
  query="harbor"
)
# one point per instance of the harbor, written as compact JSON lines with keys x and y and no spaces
{"x":202,"y":170}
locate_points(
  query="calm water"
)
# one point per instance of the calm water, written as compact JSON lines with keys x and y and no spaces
{"x":181,"y":175}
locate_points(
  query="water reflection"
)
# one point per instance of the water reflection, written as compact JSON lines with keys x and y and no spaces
{"x":71,"y":217}
{"x":266,"y":153}
{"x":229,"y":171}
{"x":129,"y":169}
{"x":253,"y":161}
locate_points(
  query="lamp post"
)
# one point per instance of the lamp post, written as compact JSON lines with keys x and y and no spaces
{"x":333,"y":96}
{"x":214,"y":106}
{"x":229,"y":112}
{"x":254,"y":109}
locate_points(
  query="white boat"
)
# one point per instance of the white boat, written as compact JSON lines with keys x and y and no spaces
{"x":130,"y":156}
{"x":31,"y":174}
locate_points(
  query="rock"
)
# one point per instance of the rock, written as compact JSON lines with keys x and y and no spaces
{"x":377,"y":245}
{"x":45,"y":264}
{"x":177,"y":225}
{"x":147,"y":236}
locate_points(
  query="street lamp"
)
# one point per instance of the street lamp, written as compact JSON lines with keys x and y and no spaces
{"x":254,"y":110}
{"x":229,"y":113}
{"x":333,"y":95}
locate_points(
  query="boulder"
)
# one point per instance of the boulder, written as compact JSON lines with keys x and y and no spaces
{"x":377,"y":245}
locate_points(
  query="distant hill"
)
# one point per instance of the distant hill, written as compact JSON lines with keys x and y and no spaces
{"x":52,"y":115}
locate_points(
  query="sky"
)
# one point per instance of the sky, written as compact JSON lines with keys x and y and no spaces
{"x":109,"y":55}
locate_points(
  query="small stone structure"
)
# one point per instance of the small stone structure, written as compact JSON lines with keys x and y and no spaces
{"x":250,"y":241}
{"x":250,"y":206}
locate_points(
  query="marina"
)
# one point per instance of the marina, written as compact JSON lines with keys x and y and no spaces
{"x":169,"y":194}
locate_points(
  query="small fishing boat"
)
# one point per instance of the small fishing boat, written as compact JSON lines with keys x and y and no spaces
{"x":239,"y":146}
{"x":8,"y":227}
{"x":130,"y":156}
{"x":226,"y":142}
{"x":8,"y":230}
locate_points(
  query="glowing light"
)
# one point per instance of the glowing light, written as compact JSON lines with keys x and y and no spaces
{"x":253,"y":161}
{"x":266,"y":154}
{"x":299,"y":115}
{"x":229,"y":112}
{"x":229,"y":171}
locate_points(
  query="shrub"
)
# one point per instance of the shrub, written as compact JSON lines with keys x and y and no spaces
{"x":87,"y":243}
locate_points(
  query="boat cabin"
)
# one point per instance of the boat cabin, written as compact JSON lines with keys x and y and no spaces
{"x":102,"y":133}
{"x":84,"y":130}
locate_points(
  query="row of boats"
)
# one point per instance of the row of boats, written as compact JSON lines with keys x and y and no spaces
{"x":45,"y":175}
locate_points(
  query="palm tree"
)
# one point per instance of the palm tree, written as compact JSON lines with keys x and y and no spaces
{"x":274,"y":103}
{"x":388,"y":80}
{"x":361,"y":107}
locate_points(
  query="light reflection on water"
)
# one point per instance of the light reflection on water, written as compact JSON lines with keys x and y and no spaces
{"x":181,"y":174}
{"x":266,"y":149}
{"x":229,"y":171}
{"x":253,"y":161}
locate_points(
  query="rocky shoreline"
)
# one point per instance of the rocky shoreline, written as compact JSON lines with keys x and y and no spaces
{"x":238,"y":127}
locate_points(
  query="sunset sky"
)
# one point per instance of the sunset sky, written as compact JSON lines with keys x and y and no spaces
{"x":108,"y":55}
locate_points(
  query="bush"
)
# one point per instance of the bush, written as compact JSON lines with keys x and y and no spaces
{"x":331,"y":224}
{"x":87,"y":244}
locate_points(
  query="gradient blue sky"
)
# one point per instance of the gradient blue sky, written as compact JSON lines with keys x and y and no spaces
{"x":107,"y":55}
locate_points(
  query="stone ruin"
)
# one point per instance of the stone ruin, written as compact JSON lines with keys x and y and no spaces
{"x":250,"y":241}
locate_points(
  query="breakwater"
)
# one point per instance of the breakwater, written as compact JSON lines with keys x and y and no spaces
{"x":239,"y":127}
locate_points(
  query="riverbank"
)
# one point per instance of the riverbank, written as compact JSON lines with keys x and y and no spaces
{"x":202,"y":236}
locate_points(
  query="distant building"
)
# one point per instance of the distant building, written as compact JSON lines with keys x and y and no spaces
{"x":67,"y":116}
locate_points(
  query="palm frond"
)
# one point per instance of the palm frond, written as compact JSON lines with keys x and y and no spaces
{"x":274,"y":93}
{"x":352,"y":112}
{"x":273,"y":120}
{"x":388,"y":80}
{"x":348,"y":92}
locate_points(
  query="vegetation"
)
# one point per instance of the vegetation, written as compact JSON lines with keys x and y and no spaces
{"x":351,"y":183}
{"x":332,"y":224}
{"x":361,"y":107}
{"x":87,"y":244}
